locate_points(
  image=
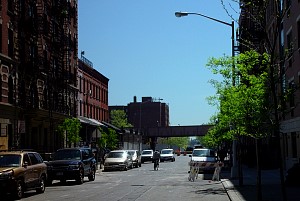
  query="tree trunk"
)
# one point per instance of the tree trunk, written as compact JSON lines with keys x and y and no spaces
{"x":258,"y":167}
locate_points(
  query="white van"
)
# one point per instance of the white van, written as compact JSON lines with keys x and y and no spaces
{"x":204,"y":155}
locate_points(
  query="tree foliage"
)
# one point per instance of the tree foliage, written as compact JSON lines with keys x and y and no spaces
{"x":109,"y":138}
{"x":176,"y":141}
{"x":244,"y":108}
{"x":119,"y":119}
{"x":71,"y":127}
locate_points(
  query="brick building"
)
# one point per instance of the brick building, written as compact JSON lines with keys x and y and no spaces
{"x":283,"y":41}
{"x":290,"y":122}
{"x":92,"y":100}
{"x":38,"y":72}
{"x":148,"y":113}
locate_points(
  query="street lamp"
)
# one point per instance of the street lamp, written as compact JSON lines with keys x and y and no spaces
{"x":183,"y":14}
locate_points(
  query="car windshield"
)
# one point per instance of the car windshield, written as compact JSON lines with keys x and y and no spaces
{"x":10,"y":160}
{"x":167,"y":151}
{"x":147,"y":152}
{"x":116,"y":154}
{"x":203,"y":153}
{"x":67,"y":155}
{"x":131,"y":152}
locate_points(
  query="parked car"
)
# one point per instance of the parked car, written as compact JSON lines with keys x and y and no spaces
{"x":167,"y":155}
{"x":147,"y":155}
{"x":204,"y":155}
{"x":72,"y":164}
{"x":118,"y":159}
{"x":136,"y":158}
{"x":22,"y":171}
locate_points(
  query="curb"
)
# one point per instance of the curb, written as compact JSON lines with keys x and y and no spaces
{"x":233,"y":195}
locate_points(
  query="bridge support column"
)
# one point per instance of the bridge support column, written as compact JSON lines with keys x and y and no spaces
{"x":153,"y":143}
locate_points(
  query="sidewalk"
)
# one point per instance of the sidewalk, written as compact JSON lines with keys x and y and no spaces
{"x":270,"y":183}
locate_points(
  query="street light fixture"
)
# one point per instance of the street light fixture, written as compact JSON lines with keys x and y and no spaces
{"x":183,"y":14}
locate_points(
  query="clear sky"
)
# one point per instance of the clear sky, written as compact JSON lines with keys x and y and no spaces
{"x":144,"y":50}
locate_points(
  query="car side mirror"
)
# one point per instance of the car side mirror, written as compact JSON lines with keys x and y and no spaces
{"x":190,"y":155}
{"x":25,"y":164}
{"x":85,"y":156}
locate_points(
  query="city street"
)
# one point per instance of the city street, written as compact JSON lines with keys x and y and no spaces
{"x":170,"y":182}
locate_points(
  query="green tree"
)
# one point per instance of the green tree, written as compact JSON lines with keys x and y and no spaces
{"x":109,"y":138}
{"x":119,"y":119}
{"x":70,"y":128}
{"x":176,"y":141}
{"x":244,"y":107}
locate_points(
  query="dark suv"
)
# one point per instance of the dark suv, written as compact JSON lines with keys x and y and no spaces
{"x":72,"y":164}
{"x":21,"y":171}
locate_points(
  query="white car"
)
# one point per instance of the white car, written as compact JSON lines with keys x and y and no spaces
{"x":147,"y":155}
{"x":167,"y":155}
{"x":136,"y":158}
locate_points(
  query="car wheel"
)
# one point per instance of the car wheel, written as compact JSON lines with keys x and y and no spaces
{"x":49,"y":182}
{"x":41,"y":188}
{"x":140,"y":164}
{"x":92,"y":174}
{"x":137,"y":164}
{"x":19,"y":190}
{"x":80,"y":177}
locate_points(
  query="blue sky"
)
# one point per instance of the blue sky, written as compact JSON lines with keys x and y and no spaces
{"x":145,"y":50}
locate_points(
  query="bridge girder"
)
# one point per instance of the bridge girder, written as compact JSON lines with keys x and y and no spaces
{"x":177,"y":131}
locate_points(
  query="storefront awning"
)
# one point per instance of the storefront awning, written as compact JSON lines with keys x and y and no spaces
{"x":90,"y":121}
{"x":111,"y":126}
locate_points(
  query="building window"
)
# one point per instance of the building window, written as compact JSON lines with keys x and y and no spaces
{"x":10,"y":6}
{"x":10,"y":90}
{"x":294,"y":144}
{"x":298,"y":38}
{"x":289,"y":41}
{"x":10,"y":43}
{"x":80,"y":82}
{"x":84,"y":91}
{"x":288,"y":8}
{"x":80,"y":108}
{"x":0,"y":88}
{"x":1,"y":38}
{"x":292,"y":96}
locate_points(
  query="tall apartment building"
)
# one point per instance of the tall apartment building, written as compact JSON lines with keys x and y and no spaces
{"x":38,"y":71}
{"x":286,"y":35}
{"x":290,"y":122}
{"x":92,"y":100}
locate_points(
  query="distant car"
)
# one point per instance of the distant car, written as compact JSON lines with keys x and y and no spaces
{"x":189,"y":150}
{"x":136,"y":158}
{"x":204,"y":155}
{"x":167,"y":155}
{"x":118,"y":159}
{"x":72,"y":163}
{"x":22,"y":171}
{"x":147,"y":155}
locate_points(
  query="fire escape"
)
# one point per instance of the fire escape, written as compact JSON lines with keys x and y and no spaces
{"x":47,"y":67}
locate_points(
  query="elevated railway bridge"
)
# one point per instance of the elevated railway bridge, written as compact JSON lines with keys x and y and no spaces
{"x":151,"y":134}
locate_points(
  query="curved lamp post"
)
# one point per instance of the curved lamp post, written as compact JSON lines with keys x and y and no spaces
{"x":183,"y":14}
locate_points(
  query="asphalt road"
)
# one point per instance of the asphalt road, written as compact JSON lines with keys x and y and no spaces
{"x":170,"y":182}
